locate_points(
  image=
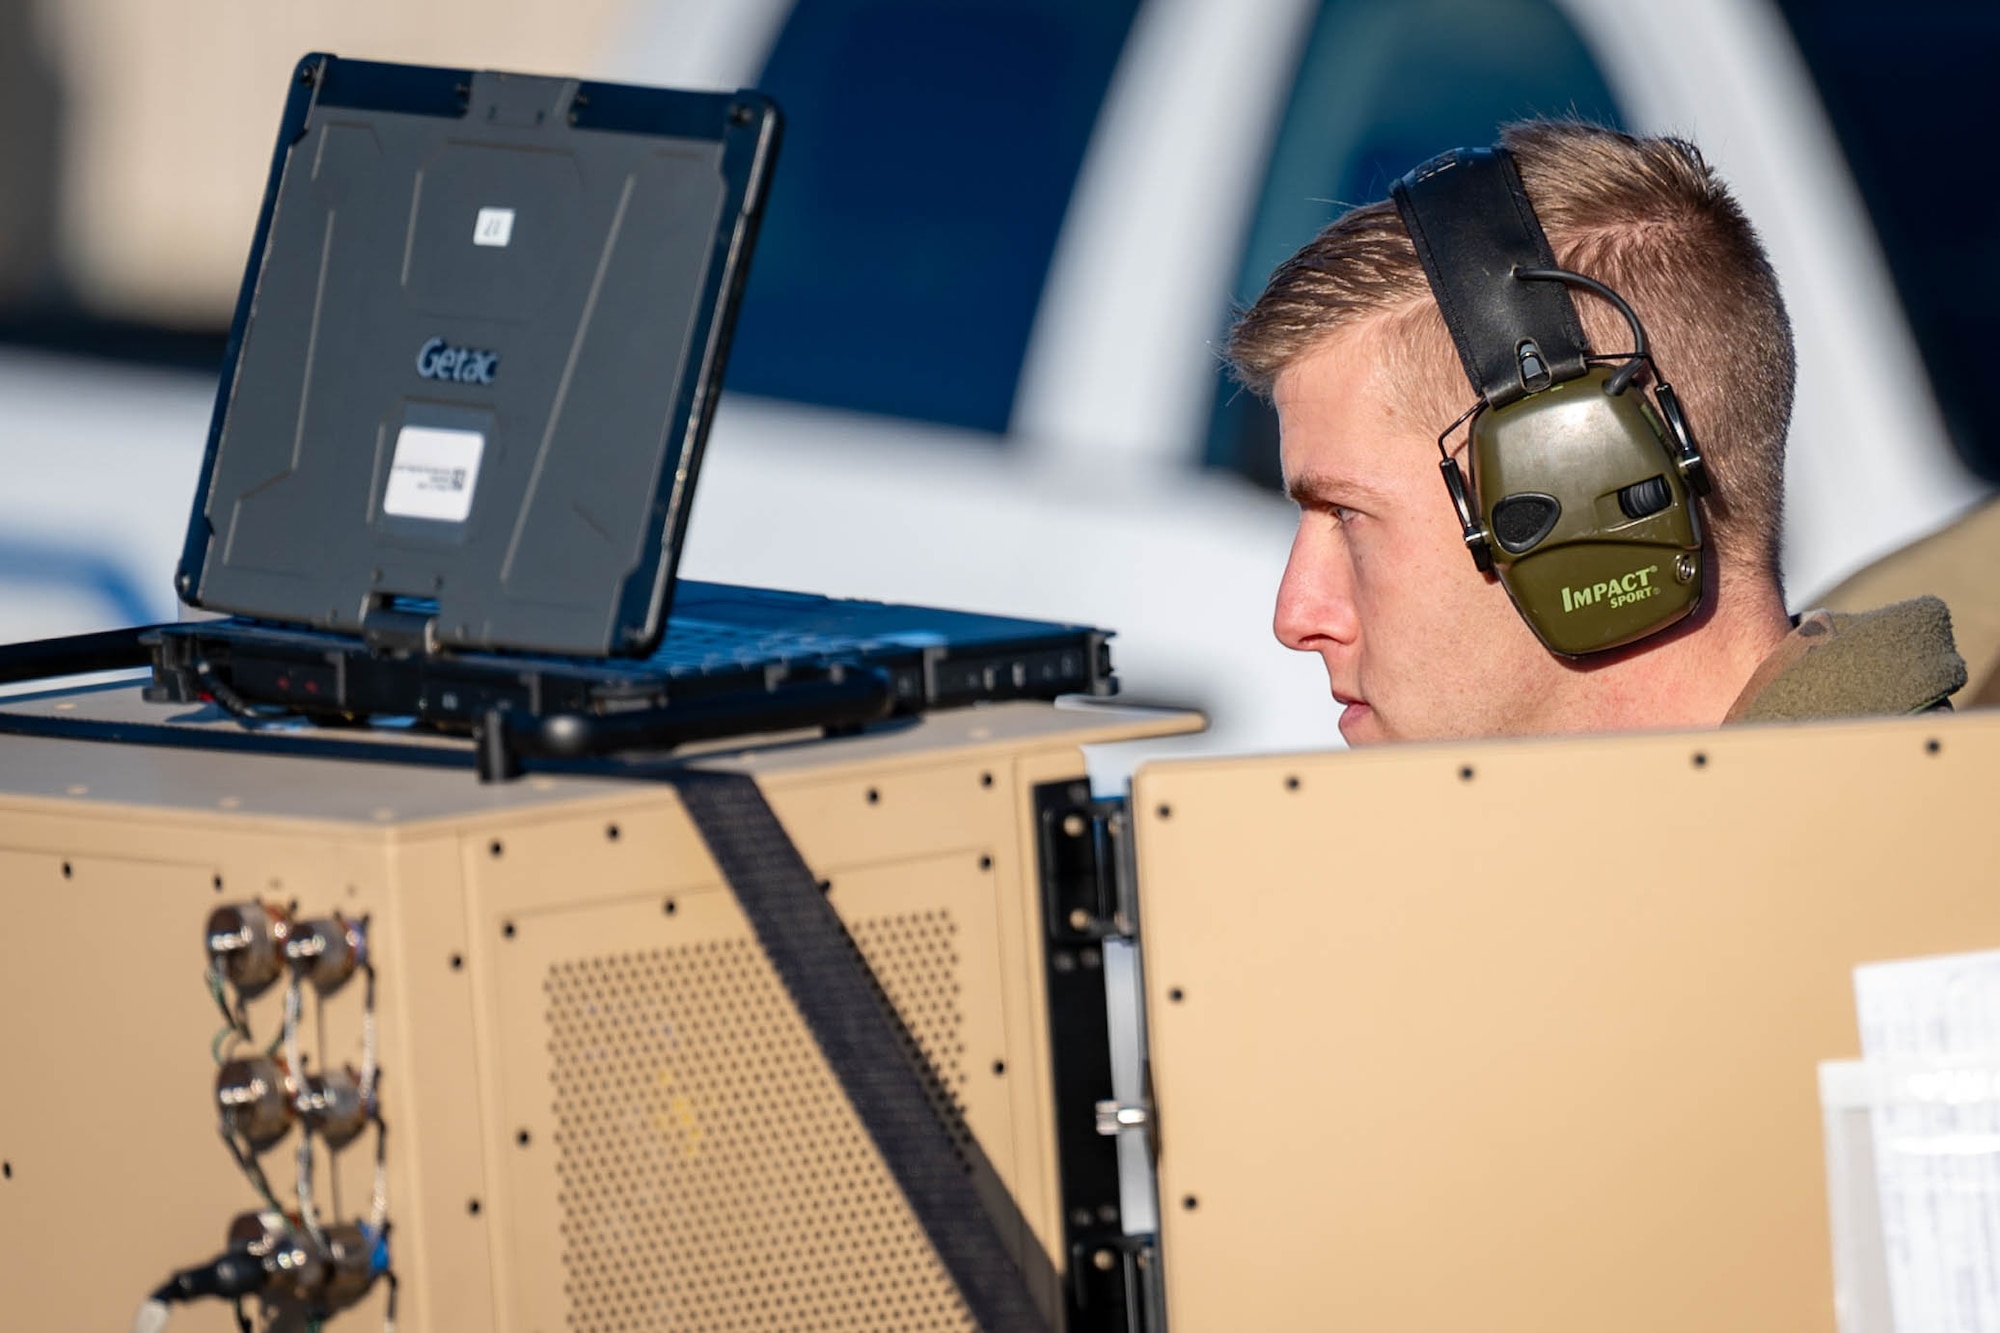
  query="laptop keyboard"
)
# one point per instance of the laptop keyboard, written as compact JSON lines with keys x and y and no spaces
{"x":717,"y":625}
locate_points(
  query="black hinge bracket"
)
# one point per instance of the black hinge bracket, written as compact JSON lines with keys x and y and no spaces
{"x":1083,"y":858}
{"x":1085,"y":848}
{"x":389,"y":631}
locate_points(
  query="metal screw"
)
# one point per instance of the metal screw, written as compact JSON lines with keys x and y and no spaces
{"x":1079,"y":920}
{"x":1684,"y":568}
{"x":1104,"y":1261}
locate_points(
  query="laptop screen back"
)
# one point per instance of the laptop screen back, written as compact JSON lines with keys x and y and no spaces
{"x":482,"y":332}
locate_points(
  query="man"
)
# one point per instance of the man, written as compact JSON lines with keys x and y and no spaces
{"x":1348,"y":343}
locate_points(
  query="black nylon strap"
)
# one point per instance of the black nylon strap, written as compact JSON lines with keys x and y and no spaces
{"x":837,"y":996}
{"x":1472,"y":224}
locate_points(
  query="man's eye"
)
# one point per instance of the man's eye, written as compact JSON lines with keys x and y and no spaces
{"x":1342,"y":514}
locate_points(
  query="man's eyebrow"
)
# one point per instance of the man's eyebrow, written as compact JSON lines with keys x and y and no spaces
{"x":1322,"y":489}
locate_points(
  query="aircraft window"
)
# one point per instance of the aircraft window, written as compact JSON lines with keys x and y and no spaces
{"x":1380,"y":88}
{"x":929,"y":154}
{"x":1904,"y":89}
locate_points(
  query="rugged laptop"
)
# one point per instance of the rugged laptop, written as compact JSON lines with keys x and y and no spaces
{"x":461,"y":415}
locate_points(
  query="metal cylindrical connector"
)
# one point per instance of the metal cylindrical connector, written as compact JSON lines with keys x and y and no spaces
{"x":255,"y":1098}
{"x":244,"y":944}
{"x":333,"y":1107}
{"x":350,"y":1267}
{"x":326,"y":951}
{"x":288,"y":1258}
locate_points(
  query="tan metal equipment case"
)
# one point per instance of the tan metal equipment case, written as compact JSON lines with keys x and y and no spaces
{"x":1510,"y":1036}
{"x":603,"y":1112}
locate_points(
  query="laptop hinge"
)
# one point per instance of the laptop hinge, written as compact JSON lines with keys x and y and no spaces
{"x":391,"y":631}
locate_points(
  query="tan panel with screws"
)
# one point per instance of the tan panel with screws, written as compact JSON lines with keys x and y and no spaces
{"x":1522,"y":1036}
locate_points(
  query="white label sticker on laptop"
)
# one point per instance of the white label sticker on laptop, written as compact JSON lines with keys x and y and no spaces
{"x":495,"y":226}
{"x":433,"y":472}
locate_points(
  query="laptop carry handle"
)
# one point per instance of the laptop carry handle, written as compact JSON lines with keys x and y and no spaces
{"x":75,"y":655}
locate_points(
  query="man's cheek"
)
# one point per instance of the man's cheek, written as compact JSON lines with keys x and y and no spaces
{"x":1440,"y":669}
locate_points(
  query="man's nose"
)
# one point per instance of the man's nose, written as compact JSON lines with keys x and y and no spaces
{"x":1315,"y":600}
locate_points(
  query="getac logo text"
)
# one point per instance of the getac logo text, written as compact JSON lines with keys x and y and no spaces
{"x":1634,"y":587}
{"x":439,"y":360}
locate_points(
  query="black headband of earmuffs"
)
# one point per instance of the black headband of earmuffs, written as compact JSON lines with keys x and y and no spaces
{"x":1469,"y":217}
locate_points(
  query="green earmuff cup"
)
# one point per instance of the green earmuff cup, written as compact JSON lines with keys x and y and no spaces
{"x":1588,"y":520}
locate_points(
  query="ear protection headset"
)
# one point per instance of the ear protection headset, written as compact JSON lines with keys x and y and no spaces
{"x":1581,"y":495}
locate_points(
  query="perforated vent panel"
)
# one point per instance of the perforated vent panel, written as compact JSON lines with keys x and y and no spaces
{"x":912,"y":956}
{"x":712,"y":1176}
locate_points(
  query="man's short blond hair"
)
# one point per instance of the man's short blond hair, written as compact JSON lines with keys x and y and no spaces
{"x":1648,"y":217}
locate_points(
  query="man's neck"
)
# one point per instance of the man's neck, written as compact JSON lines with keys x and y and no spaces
{"x":1692,"y":679}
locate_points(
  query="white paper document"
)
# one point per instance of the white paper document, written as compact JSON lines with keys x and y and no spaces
{"x":1937,"y":1155}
